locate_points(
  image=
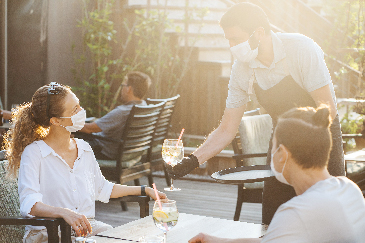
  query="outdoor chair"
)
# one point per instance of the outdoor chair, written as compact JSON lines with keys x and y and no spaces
{"x":355,"y":168}
{"x":250,"y":147}
{"x":12,"y":225}
{"x":133,"y":160}
{"x":162,"y":129}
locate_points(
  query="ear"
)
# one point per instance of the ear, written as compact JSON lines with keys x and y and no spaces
{"x":54,"y":121}
{"x":284,"y":153}
{"x":260,"y":32}
{"x":130,"y":90}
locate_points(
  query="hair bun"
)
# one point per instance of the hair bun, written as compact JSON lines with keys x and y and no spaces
{"x":322,"y":116}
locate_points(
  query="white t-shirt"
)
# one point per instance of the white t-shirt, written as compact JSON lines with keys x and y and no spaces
{"x":45,"y":177}
{"x":294,"y":54}
{"x":332,"y":210}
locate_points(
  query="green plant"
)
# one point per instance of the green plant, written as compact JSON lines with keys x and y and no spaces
{"x":346,"y":42}
{"x":155,"y":52}
{"x":92,"y":71}
{"x":351,"y":124}
{"x":158,"y":52}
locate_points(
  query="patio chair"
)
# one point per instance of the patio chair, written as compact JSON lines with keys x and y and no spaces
{"x":355,"y":168}
{"x":12,"y":224}
{"x":250,"y":147}
{"x":162,"y":129}
{"x":135,"y":142}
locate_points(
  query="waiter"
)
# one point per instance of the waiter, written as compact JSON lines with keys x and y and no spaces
{"x":283,"y":70}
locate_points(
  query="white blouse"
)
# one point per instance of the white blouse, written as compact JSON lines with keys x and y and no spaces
{"x":45,"y":177}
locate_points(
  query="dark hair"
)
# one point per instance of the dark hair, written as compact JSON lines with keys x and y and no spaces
{"x":247,"y":16}
{"x":31,"y":122}
{"x":305,"y":133}
{"x":140,"y":83}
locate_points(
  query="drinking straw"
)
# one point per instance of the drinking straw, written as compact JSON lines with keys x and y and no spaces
{"x":182,"y":131}
{"x":159,"y":203}
{"x":157,"y":196}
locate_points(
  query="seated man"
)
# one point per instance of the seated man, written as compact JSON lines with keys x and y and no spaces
{"x":326,"y":208}
{"x":134,"y":88}
{"x":6,"y":114}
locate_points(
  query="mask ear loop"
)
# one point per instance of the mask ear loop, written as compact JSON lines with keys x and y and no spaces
{"x":287,"y":156}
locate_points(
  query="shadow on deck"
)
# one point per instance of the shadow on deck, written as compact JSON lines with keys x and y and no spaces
{"x":201,"y":198}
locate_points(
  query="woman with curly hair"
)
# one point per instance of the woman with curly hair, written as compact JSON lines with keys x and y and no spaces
{"x":58,"y":176}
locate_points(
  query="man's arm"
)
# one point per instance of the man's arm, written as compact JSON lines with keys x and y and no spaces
{"x":90,"y":128}
{"x":215,"y":143}
{"x":222,"y":136}
{"x":6,"y":114}
{"x":323,"y":96}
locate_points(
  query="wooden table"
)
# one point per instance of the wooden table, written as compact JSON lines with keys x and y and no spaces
{"x":187,"y":227}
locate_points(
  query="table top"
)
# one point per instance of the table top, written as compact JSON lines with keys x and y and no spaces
{"x":187,"y":227}
{"x":244,"y":174}
{"x":356,"y":156}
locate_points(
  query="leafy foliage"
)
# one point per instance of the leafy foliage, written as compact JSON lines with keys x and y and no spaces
{"x":151,"y":45}
{"x":98,"y":33}
{"x":348,"y":39}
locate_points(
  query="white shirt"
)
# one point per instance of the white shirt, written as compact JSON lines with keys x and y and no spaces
{"x":295,"y":55}
{"x":45,"y":177}
{"x":332,"y":210}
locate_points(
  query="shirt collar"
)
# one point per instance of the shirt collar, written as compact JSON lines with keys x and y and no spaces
{"x":46,"y":150}
{"x":279,"y":53}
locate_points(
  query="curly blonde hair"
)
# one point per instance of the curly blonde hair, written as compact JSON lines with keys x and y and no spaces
{"x":31,"y":123}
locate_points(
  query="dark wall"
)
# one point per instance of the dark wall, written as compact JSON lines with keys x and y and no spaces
{"x":27,"y":54}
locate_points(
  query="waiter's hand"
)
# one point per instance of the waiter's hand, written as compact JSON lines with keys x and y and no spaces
{"x":183,"y":168}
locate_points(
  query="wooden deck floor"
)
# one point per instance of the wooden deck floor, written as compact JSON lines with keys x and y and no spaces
{"x":201,"y":198}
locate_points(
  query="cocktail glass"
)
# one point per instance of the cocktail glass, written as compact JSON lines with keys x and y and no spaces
{"x":172,"y":154}
{"x":165,"y":217}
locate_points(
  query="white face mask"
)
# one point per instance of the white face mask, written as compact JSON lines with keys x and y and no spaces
{"x":279,"y":175}
{"x":78,"y":121}
{"x":243,"y":52}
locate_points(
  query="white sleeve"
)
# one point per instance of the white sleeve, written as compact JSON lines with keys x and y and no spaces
{"x":28,"y":180}
{"x":237,"y":96}
{"x":103,"y":187}
{"x":286,"y":226}
{"x":313,"y":69}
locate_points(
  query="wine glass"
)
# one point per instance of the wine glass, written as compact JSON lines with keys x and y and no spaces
{"x":165,"y":215}
{"x":172,"y":154}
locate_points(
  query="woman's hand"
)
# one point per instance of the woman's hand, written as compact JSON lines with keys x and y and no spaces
{"x":150,"y":192}
{"x":78,"y":222}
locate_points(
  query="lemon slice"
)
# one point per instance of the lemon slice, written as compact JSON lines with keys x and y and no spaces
{"x":160,"y":215}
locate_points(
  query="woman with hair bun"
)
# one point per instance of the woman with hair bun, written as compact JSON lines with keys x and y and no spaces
{"x":326,"y":208}
{"x":58,"y":175}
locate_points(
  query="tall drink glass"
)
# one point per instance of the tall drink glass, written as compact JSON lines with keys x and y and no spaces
{"x":172,"y":154}
{"x":165,"y":218}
